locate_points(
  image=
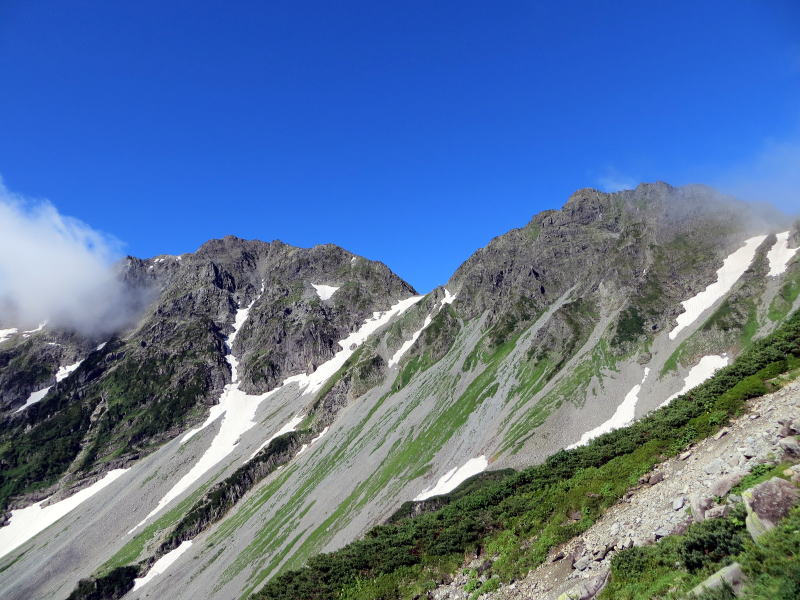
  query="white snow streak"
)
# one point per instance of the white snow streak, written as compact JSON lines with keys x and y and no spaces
{"x":448,"y":299}
{"x":27,"y":334}
{"x":34,"y":398}
{"x":312,"y":442}
{"x":780,"y":254}
{"x":64,"y":372}
{"x":622,"y":417}
{"x":704,"y":369}
{"x":238,"y":409}
{"x":325,"y":291}
{"x":290,"y":426}
{"x":7,"y":333}
{"x":161,"y":565}
{"x":455,"y":477}
{"x":314,"y":382}
{"x":61,"y":375}
{"x":27,"y":522}
{"x":732,"y":269}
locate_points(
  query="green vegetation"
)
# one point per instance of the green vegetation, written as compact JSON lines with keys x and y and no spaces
{"x":220,"y":499}
{"x":787,"y":295}
{"x":678,"y":563}
{"x":520,"y":517}
{"x":108,"y":408}
{"x":630,"y":327}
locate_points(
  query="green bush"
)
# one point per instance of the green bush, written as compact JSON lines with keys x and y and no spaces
{"x":710,"y":542}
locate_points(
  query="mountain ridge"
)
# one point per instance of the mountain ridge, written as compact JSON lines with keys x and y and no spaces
{"x":536,"y":340}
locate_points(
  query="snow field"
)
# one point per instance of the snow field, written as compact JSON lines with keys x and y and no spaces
{"x":455,"y":477}
{"x":27,"y":522}
{"x":780,"y":254}
{"x":161,"y":565}
{"x":622,"y":416}
{"x":699,"y":373}
{"x":732,"y":269}
{"x":325,"y":291}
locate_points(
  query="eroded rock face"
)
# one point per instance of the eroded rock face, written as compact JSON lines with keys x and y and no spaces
{"x":767,"y":503}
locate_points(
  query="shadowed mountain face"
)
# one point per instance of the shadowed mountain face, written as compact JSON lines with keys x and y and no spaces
{"x":327,"y":394}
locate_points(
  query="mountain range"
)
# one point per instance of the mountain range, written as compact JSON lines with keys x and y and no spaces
{"x":271,"y":403}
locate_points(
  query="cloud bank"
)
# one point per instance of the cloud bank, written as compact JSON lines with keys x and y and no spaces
{"x":57,"y":269}
{"x":772,"y":175}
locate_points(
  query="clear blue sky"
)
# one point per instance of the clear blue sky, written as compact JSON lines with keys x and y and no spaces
{"x":409,"y":132}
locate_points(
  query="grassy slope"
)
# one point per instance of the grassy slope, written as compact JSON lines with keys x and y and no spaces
{"x":503,"y":516}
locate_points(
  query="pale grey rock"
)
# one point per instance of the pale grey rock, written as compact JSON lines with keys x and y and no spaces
{"x":731,"y":576}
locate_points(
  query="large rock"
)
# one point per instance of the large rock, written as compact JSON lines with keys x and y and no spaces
{"x":767,"y":503}
{"x":587,"y":589}
{"x":725,"y":484}
{"x":790,"y":447}
{"x":731,"y":576}
{"x":699,"y":505}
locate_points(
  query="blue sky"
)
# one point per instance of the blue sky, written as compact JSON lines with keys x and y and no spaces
{"x":409,"y":132}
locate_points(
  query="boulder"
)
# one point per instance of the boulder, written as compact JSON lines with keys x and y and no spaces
{"x":790,"y":447}
{"x":582,"y":563}
{"x":700,"y":504}
{"x":788,"y":427}
{"x":718,"y":512}
{"x":716,"y":466}
{"x":725,"y":484}
{"x":678,"y":503}
{"x":732,"y":576}
{"x":767,"y":503}
{"x":587,"y":589}
{"x":793,"y":473}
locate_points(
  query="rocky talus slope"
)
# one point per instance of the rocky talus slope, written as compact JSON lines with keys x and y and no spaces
{"x":271,"y":403}
{"x":676,"y":493}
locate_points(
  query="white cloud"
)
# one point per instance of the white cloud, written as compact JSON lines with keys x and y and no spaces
{"x":57,"y":269}
{"x":614,"y":181}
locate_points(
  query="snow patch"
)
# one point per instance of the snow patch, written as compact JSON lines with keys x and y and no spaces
{"x":312,"y":442}
{"x":290,"y":426}
{"x":28,"y":333}
{"x":34,"y":398}
{"x":7,"y":333}
{"x":25,"y":523}
{"x":732,"y":269}
{"x":161,"y":565}
{"x":699,"y":373}
{"x":100,"y":347}
{"x":325,"y":291}
{"x":410,"y":342}
{"x":61,"y":375}
{"x":455,"y":477}
{"x":622,"y":417}
{"x":312,"y":383}
{"x":780,"y":254}
{"x":448,"y":299}
{"x":64,"y":372}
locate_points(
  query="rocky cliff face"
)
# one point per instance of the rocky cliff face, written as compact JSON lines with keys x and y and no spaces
{"x":577,"y":323}
{"x":146,"y":385}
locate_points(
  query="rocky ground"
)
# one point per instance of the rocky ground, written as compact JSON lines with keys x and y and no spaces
{"x":665,"y":502}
